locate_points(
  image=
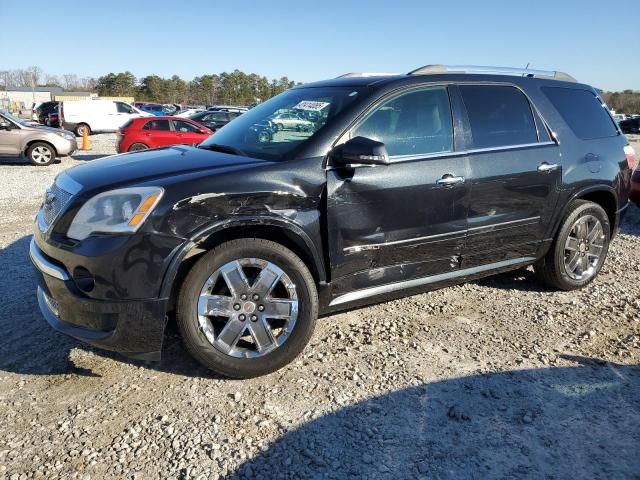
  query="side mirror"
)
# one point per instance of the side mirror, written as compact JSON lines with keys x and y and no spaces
{"x":359,"y":151}
{"x":5,"y":125}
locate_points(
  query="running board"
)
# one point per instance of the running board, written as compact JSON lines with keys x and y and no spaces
{"x":419,"y":282}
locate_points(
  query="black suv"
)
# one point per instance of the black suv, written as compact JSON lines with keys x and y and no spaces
{"x":44,"y":109}
{"x":214,"y":120}
{"x":405,"y":183}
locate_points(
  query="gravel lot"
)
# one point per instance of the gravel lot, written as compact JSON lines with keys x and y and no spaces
{"x":499,"y":378}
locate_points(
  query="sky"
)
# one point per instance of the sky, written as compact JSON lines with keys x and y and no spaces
{"x":596,"y":42}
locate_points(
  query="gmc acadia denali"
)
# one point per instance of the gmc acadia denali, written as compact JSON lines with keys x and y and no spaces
{"x":400,"y":184}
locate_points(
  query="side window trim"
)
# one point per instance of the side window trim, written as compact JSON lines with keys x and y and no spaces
{"x":348,"y":134}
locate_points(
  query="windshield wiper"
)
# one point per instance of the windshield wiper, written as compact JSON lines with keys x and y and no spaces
{"x":216,"y":147}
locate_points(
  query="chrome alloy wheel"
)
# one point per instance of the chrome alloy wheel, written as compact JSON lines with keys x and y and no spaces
{"x":41,"y":155}
{"x":248,"y":308}
{"x":583,"y":248}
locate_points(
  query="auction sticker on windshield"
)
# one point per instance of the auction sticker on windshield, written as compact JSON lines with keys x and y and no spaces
{"x":312,"y":106}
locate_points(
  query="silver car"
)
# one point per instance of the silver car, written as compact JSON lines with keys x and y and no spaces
{"x":41,"y":145}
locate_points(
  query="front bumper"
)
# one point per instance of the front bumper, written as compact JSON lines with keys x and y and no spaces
{"x":65,"y":147}
{"x":133,"y":328}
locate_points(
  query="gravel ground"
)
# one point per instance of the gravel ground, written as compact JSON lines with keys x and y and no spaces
{"x":499,"y":378}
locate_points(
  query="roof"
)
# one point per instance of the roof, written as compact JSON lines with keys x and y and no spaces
{"x":35,"y":89}
{"x":439,"y":73}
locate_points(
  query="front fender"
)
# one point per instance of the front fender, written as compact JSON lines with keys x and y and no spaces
{"x":293,"y":231}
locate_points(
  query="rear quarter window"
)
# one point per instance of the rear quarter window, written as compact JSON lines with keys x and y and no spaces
{"x":582,"y":111}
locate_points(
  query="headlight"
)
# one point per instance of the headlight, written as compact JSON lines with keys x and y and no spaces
{"x":65,"y":135}
{"x":115,"y":211}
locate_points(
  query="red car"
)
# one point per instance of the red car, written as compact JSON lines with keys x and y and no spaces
{"x":151,"y":132}
{"x":634,"y":193}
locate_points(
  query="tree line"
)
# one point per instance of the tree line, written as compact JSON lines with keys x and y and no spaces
{"x":34,"y":76}
{"x":228,"y":88}
{"x":626,"y":101}
{"x":235,"y":87}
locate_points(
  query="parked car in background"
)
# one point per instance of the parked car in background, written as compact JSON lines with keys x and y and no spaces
{"x":41,"y":145}
{"x":154,"y":109}
{"x":412,"y":182}
{"x":153,"y":132}
{"x":34,"y":111}
{"x":214,"y":119}
{"x":630,"y":125}
{"x":291,"y":121}
{"x":188,"y":112}
{"x":53,"y":120}
{"x":44,"y":109}
{"x":227,"y":108}
{"x":95,"y":116}
{"x":634,"y":194}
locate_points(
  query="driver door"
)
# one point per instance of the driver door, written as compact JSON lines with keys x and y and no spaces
{"x":405,"y":220}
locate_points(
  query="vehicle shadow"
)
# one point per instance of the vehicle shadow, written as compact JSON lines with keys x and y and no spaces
{"x":87,"y":157}
{"x":523,"y":280}
{"x":572,"y":422}
{"x":630,"y":224}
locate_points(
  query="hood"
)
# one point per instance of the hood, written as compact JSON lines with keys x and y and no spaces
{"x":147,"y":165}
{"x":37,"y":126}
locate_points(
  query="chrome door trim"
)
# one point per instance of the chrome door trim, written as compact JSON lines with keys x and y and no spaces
{"x":376,"y":246}
{"x":418,"y":282}
{"x":44,"y":265}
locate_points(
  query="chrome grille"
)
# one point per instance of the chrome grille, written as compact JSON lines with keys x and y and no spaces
{"x":54,"y":202}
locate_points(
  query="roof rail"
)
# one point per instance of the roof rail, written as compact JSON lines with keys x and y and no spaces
{"x":365,"y":74}
{"x":522,"y":72}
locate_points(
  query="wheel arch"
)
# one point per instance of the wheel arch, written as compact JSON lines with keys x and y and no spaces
{"x":31,"y":142}
{"x":289,"y":235}
{"x":602,"y":195}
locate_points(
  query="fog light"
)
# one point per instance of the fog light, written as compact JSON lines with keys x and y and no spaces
{"x":83,"y":279}
{"x":51,"y":303}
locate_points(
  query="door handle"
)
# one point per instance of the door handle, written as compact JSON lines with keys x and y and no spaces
{"x":546,"y":168}
{"x":449,"y":180}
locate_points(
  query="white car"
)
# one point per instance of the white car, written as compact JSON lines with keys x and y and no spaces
{"x":291,"y":121}
{"x":188,"y":112}
{"x":98,"y":115}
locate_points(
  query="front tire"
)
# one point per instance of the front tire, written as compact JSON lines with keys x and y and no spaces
{"x":579,"y":249}
{"x":247,"y":308}
{"x":41,"y":154}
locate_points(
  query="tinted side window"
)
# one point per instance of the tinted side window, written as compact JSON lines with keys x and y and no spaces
{"x":414,"y":123}
{"x":157,"y":125}
{"x":583,"y":111}
{"x":498,"y":116}
{"x":216,"y":117}
{"x":124,"y":108}
{"x":181,"y":126}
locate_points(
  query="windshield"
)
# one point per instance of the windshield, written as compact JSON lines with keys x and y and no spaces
{"x":276,"y":127}
{"x":13,"y":118}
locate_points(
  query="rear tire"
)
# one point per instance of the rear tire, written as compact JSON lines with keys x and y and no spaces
{"x":41,"y":154}
{"x":225,"y":317}
{"x":80,"y":128}
{"x":136,"y":147}
{"x":579,"y":249}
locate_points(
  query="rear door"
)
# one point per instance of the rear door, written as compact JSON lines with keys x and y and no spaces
{"x":406,"y":220}
{"x":514,"y":178}
{"x":157,"y":133}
